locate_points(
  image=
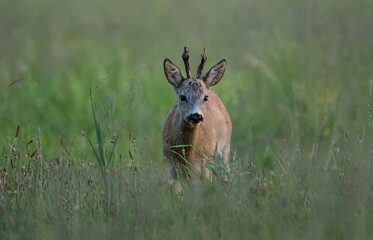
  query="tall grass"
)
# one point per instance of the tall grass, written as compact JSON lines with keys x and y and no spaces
{"x":327,"y":196}
{"x":297,"y":88}
{"x":102,"y":159}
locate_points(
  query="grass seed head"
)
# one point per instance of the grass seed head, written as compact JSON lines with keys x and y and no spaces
{"x":17,"y":132}
{"x":62,"y":142}
{"x":30,"y":141}
{"x":39,"y":140}
{"x":40,"y":158}
{"x":33,"y":153}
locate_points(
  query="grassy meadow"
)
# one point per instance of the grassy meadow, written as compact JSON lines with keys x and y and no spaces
{"x":298,"y":87}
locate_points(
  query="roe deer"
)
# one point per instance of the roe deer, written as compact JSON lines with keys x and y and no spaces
{"x":199,"y":120}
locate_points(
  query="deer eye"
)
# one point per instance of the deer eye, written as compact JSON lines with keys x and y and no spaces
{"x":206,"y":98}
{"x":183,"y":98}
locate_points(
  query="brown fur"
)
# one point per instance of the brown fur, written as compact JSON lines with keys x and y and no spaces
{"x":211,"y":135}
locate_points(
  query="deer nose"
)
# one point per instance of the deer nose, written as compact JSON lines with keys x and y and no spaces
{"x":195,"y":118}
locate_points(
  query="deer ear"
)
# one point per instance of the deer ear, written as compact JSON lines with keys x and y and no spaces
{"x":214,"y":75}
{"x":172,"y":73}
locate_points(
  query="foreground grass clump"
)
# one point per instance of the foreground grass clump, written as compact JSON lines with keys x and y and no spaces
{"x":325,"y":195}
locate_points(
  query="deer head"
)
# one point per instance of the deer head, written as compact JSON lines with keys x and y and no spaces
{"x":193,"y":93}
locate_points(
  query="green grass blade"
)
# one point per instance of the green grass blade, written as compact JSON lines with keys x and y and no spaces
{"x":97,"y":157}
{"x":189,"y":166}
{"x":112,"y":151}
{"x":98,"y":133}
{"x":199,"y":150}
{"x":291,"y":176}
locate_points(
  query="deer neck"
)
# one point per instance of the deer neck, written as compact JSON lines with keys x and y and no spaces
{"x":187,"y":134}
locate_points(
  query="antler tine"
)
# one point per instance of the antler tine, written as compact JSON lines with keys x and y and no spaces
{"x":185,"y":57}
{"x":203,"y":60}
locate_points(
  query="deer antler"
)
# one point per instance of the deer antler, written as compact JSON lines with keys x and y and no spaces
{"x":185,"y":57}
{"x":203,"y":60}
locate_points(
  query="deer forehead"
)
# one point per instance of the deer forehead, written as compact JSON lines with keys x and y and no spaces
{"x":194,"y":87}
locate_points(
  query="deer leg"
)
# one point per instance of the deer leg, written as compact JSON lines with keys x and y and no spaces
{"x":172,"y":176}
{"x":226,"y":151}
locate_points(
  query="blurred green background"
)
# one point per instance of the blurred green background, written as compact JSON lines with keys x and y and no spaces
{"x":298,"y":70}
